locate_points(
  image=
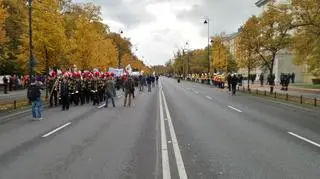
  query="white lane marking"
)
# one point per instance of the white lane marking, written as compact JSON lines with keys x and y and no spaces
{"x":234,"y":109}
{"x":304,"y":139}
{"x":56,"y":130}
{"x":101,"y":106}
{"x":177,"y":153}
{"x":119,"y":96}
{"x":196,"y":92}
{"x":164,"y":148}
{"x":209,"y":97}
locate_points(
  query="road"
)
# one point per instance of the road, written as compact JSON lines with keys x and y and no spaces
{"x":184,"y":130}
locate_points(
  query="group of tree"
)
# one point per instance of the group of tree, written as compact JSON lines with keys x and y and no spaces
{"x":196,"y":61}
{"x":64,"y":34}
{"x":293,"y":28}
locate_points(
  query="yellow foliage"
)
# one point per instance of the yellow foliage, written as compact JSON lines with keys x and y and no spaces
{"x":3,"y":16}
{"x":219,"y":55}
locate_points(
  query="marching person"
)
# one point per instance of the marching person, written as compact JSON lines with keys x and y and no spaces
{"x":94,"y":90}
{"x":64,"y":93}
{"x":128,"y":90}
{"x":34,"y":95}
{"x":110,"y":91}
{"x":53,"y":89}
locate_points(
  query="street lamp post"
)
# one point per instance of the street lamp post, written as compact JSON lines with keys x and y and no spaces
{"x":119,"y":54}
{"x":207,"y":22}
{"x":30,"y":39}
{"x":188,"y":60}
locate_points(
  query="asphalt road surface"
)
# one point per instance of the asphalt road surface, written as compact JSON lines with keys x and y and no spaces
{"x":184,"y":130}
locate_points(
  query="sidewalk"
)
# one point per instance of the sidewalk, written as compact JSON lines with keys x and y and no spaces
{"x":296,"y":91}
{"x":14,"y":95}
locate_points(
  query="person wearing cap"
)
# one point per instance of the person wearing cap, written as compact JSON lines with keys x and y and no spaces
{"x":53,"y":87}
{"x":34,"y":95}
{"x":64,"y":93}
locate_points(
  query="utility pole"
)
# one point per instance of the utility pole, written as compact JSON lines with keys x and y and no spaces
{"x":207,"y":22}
{"x":119,"y":50}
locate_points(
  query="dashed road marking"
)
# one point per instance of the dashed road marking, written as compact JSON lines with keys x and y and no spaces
{"x":56,"y":130}
{"x":304,"y":139}
{"x":234,"y":109}
{"x":208,"y":97}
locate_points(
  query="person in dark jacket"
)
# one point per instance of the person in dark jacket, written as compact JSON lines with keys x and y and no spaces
{"x":149,"y":81}
{"x":5,"y":84}
{"x":234,"y":81}
{"x":261,"y":78}
{"x":293,"y":76}
{"x":34,"y":95}
{"x":110,"y":91}
{"x":142,"y":82}
{"x":153,"y":79}
{"x":64,"y":93}
{"x":229,"y":81}
{"x":128,"y":90}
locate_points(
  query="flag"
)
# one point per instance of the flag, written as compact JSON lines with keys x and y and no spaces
{"x":128,"y":69}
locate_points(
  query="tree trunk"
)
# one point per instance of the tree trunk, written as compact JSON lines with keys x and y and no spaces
{"x":271,"y":73}
{"x":47,"y":70}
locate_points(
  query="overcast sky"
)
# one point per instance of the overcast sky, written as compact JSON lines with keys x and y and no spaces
{"x":159,"y":27}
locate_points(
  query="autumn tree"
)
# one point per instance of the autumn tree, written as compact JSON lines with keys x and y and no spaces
{"x":64,"y":33}
{"x":221,"y":58}
{"x":247,"y":45}
{"x":274,"y":35}
{"x":49,"y":41}
{"x":3,"y":37}
{"x":307,"y":33}
{"x":15,"y":28}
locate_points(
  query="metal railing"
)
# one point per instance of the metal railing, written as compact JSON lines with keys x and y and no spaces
{"x":284,"y":96}
{"x":304,"y":100}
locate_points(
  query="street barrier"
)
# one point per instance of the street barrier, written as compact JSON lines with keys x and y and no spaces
{"x":278,"y":96}
{"x":286,"y":97}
